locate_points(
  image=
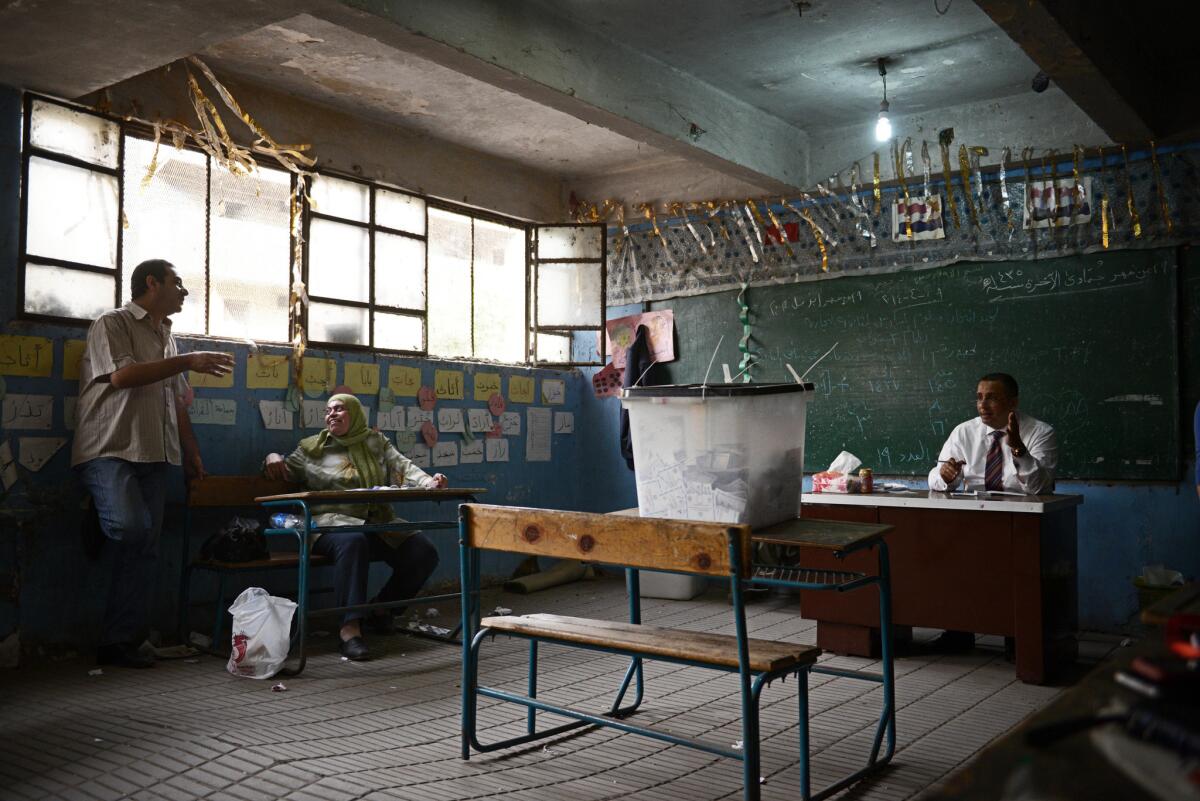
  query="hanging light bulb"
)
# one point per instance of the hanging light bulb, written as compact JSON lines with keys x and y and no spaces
{"x":883,"y":126}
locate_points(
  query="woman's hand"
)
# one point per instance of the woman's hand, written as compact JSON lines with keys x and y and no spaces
{"x":275,"y":467}
{"x":439,"y":481}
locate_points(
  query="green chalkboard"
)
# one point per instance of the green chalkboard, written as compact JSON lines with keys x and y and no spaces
{"x":1189,"y":263}
{"x":1093,"y":341}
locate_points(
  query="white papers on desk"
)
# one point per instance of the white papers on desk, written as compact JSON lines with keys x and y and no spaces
{"x":537,"y":443}
{"x":36,"y":451}
{"x":28,"y":412}
{"x":449,"y":421}
{"x":275,"y":416}
{"x":445,"y":454}
{"x":496,"y":449}
{"x":472,"y":452}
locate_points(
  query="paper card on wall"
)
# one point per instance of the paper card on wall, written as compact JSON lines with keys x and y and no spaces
{"x":448,"y":384}
{"x":554,"y":391}
{"x":318,"y":376}
{"x":607,"y":382}
{"x":450,"y":421}
{"x":486,"y":385}
{"x":564,"y":422}
{"x":70,"y":402}
{"x":214,"y":381}
{"x":26,"y":355}
{"x":472,"y":452}
{"x":404,"y":381}
{"x":312,"y":413}
{"x":72,"y":357}
{"x":391,"y":420}
{"x":659,"y":324}
{"x":415,"y":417}
{"x":418,"y":454}
{"x":496,"y":449}
{"x":510,"y":424}
{"x":36,"y":451}
{"x":479,"y":420}
{"x":445,"y":454}
{"x":28,"y":411}
{"x":405,"y":441}
{"x":520,"y":389}
{"x":537,"y":443}
{"x":275,"y":416}
{"x":922,"y":215}
{"x":267,"y":371}
{"x":1055,"y":203}
{"x":213,"y":411}
{"x":8,"y":466}
{"x":361,"y":377}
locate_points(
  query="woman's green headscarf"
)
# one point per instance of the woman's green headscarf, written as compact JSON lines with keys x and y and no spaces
{"x":370,"y":472}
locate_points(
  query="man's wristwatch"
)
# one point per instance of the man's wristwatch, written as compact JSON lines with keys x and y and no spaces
{"x":1019,"y":451}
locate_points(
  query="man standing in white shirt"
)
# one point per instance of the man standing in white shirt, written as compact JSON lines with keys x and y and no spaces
{"x":1001,"y":449}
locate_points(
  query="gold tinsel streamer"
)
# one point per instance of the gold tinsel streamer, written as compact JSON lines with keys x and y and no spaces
{"x":1158,"y":185}
{"x":783,"y":237}
{"x":647,"y":210}
{"x":737,"y":212}
{"x":1105,"y":211}
{"x":950,"y":201}
{"x":714,"y":210}
{"x":896,"y":154}
{"x":153,"y":168}
{"x":1005,"y":155}
{"x":1133,"y":214}
{"x":758,"y":224}
{"x":925,"y":165}
{"x":878,"y":196}
{"x":677,"y":208}
{"x":1077,"y":191}
{"x":817,"y":234}
{"x":964,"y":169}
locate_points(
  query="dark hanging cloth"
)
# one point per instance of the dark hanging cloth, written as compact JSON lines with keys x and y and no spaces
{"x":637,"y":362}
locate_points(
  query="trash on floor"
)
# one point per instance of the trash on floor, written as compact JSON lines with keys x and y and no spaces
{"x":432,"y":612}
{"x":427,"y":628}
{"x":175,"y":652}
{"x":201,"y":641}
{"x":279,"y":688}
{"x":501,"y":611}
{"x":96,"y":672}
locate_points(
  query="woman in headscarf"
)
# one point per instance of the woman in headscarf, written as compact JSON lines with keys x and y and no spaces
{"x":349,"y":455}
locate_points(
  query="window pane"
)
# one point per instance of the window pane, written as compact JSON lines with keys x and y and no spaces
{"x":250,"y":254}
{"x":72,"y":214}
{"x":338,"y":261}
{"x":164,"y":219}
{"x":449,"y":284}
{"x":568,"y":294}
{"x":74,"y":133}
{"x":64,"y":292}
{"x":400,"y":211}
{"x":553,"y":348}
{"x":499,"y":292}
{"x":339,"y":198}
{"x":344,"y":325}
{"x":399,"y":271}
{"x":582,"y":242}
{"x":399,"y":332}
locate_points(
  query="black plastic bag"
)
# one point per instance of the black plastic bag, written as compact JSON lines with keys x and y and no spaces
{"x":239,"y":540}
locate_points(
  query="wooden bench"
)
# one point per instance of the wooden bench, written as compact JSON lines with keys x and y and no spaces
{"x":709,"y":549}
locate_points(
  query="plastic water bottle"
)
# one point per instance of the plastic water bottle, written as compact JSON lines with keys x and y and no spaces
{"x":284,"y":520}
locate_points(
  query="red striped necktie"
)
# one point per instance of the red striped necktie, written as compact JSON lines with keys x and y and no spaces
{"x":993,"y":476}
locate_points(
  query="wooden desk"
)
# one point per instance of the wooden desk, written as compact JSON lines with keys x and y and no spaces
{"x":1001,"y":565}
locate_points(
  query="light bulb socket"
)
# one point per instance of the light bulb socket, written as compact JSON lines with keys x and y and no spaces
{"x":884,"y":108}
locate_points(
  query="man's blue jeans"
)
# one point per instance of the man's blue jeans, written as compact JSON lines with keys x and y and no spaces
{"x":129,"y":497}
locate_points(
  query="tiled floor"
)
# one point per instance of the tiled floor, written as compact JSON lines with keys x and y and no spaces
{"x":388,"y":728}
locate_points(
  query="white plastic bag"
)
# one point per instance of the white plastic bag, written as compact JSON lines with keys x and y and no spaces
{"x":262,"y":625}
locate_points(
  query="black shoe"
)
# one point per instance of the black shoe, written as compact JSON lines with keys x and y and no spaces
{"x":354,"y":649}
{"x":122,"y":654}
{"x":380,"y":622}
{"x":953,"y":642}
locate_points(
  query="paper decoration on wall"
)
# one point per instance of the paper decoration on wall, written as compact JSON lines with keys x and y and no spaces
{"x":312,"y":413}
{"x":924,"y":216}
{"x":496,"y":450}
{"x":418,"y":454}
{"x":554,"y":391}
{"x":291,"y":400}
{"x":426,"y":398}
{"x":496,"y":404}
{"x":445,"y":454}
{"x":510,"y":424}
{"x":8,"y":467}
{"x":607,"y":382}
{"x":274,"y":416}
{"x":415,"y":417}
{"x":479,"y":421}
{"x":341,"y":389}
{"x":496,"y":431}
{"x":70,"y":402}
{"x":1056,"y":203}
{"x":520,"y":389}
{"x":405,"y":441}
{"x":213,"y":411}
{"x":72,"y":358}
{"x":36,"y":451}
{"x":361,"y":377}
{"x":267,"y":371}
{"x":537,"y":443}
{"x":32,"y":356}
{"x":391,"y":420}
{"x":404,"y":381}
{"x":429,"y":434}
{"x":448,"y":384}
{"x":564,"y":422}
{"x":471,"y":452}
{"x":387,"y":399}
{"x":486,"y":385}
{"x":659,"y":324}
{"x":450,"y":421}
{"x":33,"y":412}
{"x":318,"y":377}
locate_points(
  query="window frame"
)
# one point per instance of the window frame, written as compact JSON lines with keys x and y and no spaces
{"x":535,"y":328}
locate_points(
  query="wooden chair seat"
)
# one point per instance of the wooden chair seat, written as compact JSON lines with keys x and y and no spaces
{"x":275,"y":560}
{"x":651,"y":641}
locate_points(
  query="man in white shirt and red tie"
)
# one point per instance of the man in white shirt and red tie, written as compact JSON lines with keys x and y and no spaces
{"x":1001,"y":449}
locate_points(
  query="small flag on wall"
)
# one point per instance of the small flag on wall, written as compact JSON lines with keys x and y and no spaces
{"x":1058,"y":202}
{"x":924,"y":214}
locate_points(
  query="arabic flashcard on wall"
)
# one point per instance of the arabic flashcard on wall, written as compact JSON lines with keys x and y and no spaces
{"x":274,"y":416}
{"x":34,"y":452}
{"x":554,"y":391}
{"x":418,"y":454}
{"x":660,"y":325}
{"x":391,"y":420}
{"x":510,"y":424}
{"x":520,"y":389}
{"x":448,"y":384}
{"x":405,"y":441}
{"x":72,"y":357}
{"x":486,"y":385}
{"x":213,"y":381}
{"x":496,"y":450}
{"x":318,"y":377}
{"x":564,"y":422}
{"x":312,"y":413}
{"x":32,"y":356}
{"x":8,"y":466}
{"x":33,"y":412}
{"x":479,"y":421}
{"x":445,"y":454}
{"x":472,"y":452}
{"x":404,"y":381}
{"x":213,"y":411}
{"x":450,"y":421}
{"x":267,"y":371}
{"x":415,"y":417}
{"x":70,"y":402}
{"x":537,"y":443}
{"x":361,"y":377}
